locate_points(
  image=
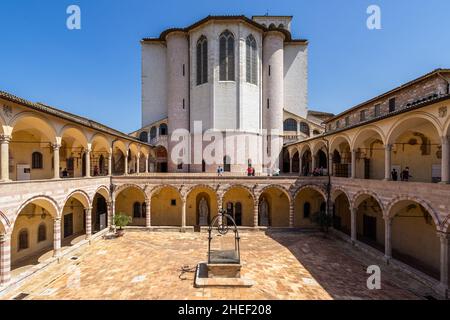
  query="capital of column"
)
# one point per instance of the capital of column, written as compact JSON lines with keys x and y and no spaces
{"x":443,"y":236}
{"x":388,"y":147}
{"x":5,"y":138}
{"x":2,"y":238}
{"x":56,"y":146}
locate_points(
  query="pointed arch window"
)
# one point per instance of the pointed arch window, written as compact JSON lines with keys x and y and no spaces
{"x":226,"y":56}
{"x":202,"y":60}
{"x":251,"y":60}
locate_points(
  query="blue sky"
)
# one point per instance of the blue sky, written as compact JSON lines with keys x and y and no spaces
{"x":95,"y":71}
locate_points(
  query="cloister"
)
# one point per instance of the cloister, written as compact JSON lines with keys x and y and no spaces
{"x":63,"y":178}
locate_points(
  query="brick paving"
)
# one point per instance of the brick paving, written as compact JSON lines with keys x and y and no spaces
{"x":146,"y":265}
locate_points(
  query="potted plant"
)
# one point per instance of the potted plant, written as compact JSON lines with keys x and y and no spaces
{"x":121,"y":220}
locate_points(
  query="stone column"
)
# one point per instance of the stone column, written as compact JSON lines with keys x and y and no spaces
{"x":183,"y":213}
{"x":291,"y":214}
{"x":353,"y":164}
{"x":313,"y":162}
{"x":5,"y":259}
{"x":330,"y":164}
{"x":387,"y":238}
{"x":57,"y":237}
{"x":353,"y":226}
{"x":256,"y":214}
{"x":110,"y":164}
{"x":126,"y":163}
{"x":387,"y":162}
{"x":138,"y":158}
{"x":88,"y":162}
{"x":148,"y":212}
{"x":290,"y":163}
{"x":88,"y":213}
{"x":445,"y":161}
{"x":4,"y":152}
{"x":445,"y":261}
{"x":146,"y":163}
{"x":111,"y":212}
{"x":300,"y":163}
{"x":56,"y":162}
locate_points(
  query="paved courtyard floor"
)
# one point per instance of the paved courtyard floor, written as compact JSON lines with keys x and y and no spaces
{"x":146,"y":265}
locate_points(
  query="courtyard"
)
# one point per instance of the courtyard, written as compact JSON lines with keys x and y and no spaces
{"x":147,"y":265}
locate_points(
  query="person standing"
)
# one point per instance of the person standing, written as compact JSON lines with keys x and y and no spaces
{"x":394,"y":175}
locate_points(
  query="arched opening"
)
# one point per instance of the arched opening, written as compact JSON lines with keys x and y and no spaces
{"x":370,"y":226}
{"x":32,"y":235}
{"x":304,"y":128}
{"x":31,"y":149}
{"x":414,"y":239}
{"x":370,"y":158}
{"x":73,"y":219}
{"x":163,"y":131}
{"x":307,"y":204}
{"x":153,"y":133}
{"x":126,"y":201}
{"x":273,"y":209}
{"x":161,"y":159}
{"x":286,"y":161}
{"x":119,"y":158}
{"x":166,"y":207}
{"x":72,"y":153}
{"x":290,"y":125}
{"x":240,"y":203}
{"x":99,"y":218}
{"x":416,"y":147}
{"x":342,"y":214}
{"x":307,"y":162}
{"x":296,"y":163}
{"x":342,"y":157}
{"x":201,"y":206}
{"x":143,"y":136}
{"x":100,"y":155}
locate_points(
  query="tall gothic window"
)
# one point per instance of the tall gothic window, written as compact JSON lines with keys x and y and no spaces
{"x":202,"y":60}
{"x":251,"y":60}
{"x":226,"y":56}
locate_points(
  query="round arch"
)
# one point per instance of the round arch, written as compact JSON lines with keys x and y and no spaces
{"x":310,"y":186}
{"x":239,"y":202}
{"x":410,"y":121}
{"x":74,"y":131}
{"x":362,"y":195}
{"x":79,"y":195}
{"x":124,"y":187}
{"x":196,"y":198}
{"x":36,"y":121}
{"x":397,"y":201}
{"x":337,"y":140}
{"x":166,"y":206}
{"x":48,"y":203}
{"x":365,"y":133}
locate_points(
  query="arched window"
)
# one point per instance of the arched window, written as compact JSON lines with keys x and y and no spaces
{"x":304,"y":128}
{"x":202,"y":60}
{"x":272,"y":26}
{"x":163,"y":129}
{"x":137,"y":210}
{"x":306,"y":210}
{"x":144,"y":210}
{"x":290,"y":125}
{"x":153,"y":131}
{"x":281,"y":26}
{"x":226,"y":56}
{"x":251,"y":60}
{"x":36,"y":160}
{"x":143,"y":136}
{"x":23,"y":239}
{"x":42,"y":232}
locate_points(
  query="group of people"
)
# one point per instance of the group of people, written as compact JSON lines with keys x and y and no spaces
{"x":65,"y":173}
{"x":404,"y":175}
{"x":318,"y":172}
{"x":250,"y":171}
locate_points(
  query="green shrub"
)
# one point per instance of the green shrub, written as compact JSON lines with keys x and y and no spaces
{"x":122,"y":220}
